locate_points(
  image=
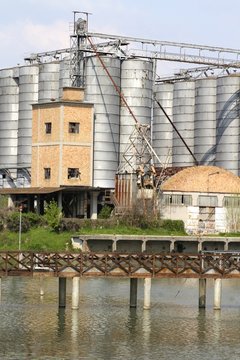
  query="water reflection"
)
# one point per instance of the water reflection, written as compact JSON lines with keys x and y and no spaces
{"x":61,"y":322}
{"x":104,"y":327}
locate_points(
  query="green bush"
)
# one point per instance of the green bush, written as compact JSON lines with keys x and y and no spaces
{"x":1,"y":225}
{"x":105,"y":212}
{"x":172,"y":225}
{"x":53,"y":215}
{"x":34,"y":219}
{"x":69,"y":225}
{"x":13,"y":222}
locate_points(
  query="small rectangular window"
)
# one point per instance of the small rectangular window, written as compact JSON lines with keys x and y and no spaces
{"x":47,"y":173}
{"x":231,"y":201}
{"x":73,"y":173}
{"x":73,"y":128}
{"x":177,"y":199}
{"x":48,"y":127}
{"x":207,"y":201}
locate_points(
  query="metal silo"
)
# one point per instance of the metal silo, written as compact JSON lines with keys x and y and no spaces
{"x":205,"y":121}
{"x":227,"y":134}
{"x":100,"y":91}
{"x":8,"y":118}
{"x":162,"y":130}
{"x":64,"y":75}
{"x":183,"y":118}
{"x":136,"y":86}
{"x":48,"y":86}
{"x":28,"y":94}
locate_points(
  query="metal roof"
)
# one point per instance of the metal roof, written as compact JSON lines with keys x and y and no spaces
{"x":30,"y":190}
{"x":46,"y":190}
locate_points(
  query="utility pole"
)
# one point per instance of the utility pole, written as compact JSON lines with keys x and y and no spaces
{"x":20,"y":227}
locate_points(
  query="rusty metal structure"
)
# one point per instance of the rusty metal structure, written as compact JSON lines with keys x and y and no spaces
{"x":169,"y":265}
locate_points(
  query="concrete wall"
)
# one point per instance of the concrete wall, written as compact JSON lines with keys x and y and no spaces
{"x":192,"y":218}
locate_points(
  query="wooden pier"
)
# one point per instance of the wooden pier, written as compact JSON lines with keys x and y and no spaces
{"x":202,"y":266}
{"x":141,"y":265}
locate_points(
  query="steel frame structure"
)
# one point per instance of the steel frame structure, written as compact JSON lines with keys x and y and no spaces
{"x":130,"y":47}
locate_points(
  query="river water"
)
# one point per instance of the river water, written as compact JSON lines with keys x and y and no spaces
{"x":105,"y":328}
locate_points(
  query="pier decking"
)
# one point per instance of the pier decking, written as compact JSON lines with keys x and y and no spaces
{"x":141,"y":265}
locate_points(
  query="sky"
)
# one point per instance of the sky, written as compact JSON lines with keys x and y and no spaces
{"x":30,"y":26}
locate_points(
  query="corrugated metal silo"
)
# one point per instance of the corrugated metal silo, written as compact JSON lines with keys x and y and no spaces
{"x":48,"y":87}
{"x":227,"y":136}
{"x":205,"y":121}
{"x":183,"y":118}
{"x":28,"y":94}
{"x":8,"y":117}
{"x":64,"y":75}
{"x":162,"y":130}
{"x":137,"y":86}
{"x":100,"y":91}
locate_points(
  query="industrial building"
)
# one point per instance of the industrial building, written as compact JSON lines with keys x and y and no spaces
{"x":78,"y":123}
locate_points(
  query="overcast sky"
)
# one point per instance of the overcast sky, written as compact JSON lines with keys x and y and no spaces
{"x":28,"y":26}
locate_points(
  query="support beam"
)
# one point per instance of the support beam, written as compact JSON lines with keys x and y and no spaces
{"x":199,"y":246}
{"x":147,"y":293}
{"x":217,"y":294}
{"x":114,"y":245}
{"x":202,"y":293}
{"x":133,"y":292}
{"x":93,"y":205}
{"x":62,"y":292}
{"x":143,"y":245}
{"x":75,"y":292}
{"x":60,"y":200}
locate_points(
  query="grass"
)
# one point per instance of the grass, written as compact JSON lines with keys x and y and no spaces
{"x":39,"y":239}
{"x":127,"y":230}
{"x":43,"y":239}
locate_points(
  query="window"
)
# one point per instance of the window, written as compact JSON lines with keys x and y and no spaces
{"x":207,"y":201}
{"x":177,"y":199}
{"x":48,"y":127}
{"x":73,"y":128}
{"x":73,"y":173}
{"x":231,"y":201}
{"x":47,"y":173}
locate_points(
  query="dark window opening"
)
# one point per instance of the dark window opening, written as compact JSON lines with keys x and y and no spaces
{"x":48,"y":127}
{"x":73,"y":128}
{"x":47,"y":173}
{"x":73,"y":173}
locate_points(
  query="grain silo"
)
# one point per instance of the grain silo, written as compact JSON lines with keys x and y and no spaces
{"x":28,"y":94}
{"x":162,"y":130}
{"x":227,"y":132}
{"x":205,"y":121}
{"x":136,"y":86}
{"x":100,"y":90}
{"x":48,"y":86}
{"x":9,"y":93}
{"x":183,"y":118}
{"x":64,"y":75}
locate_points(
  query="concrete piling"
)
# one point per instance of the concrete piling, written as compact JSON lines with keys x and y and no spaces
{"x":133,"y":292}
{"x":75,"y":292}
{"x":202,"y":293}
{"x":62,"y":292}
{"x":217,"y":294}
{"x":147,"y":293}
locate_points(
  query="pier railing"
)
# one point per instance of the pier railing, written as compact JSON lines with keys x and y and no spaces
{"x":141,"y":265}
